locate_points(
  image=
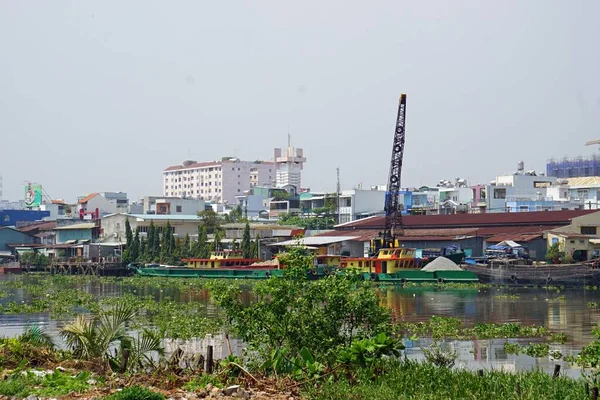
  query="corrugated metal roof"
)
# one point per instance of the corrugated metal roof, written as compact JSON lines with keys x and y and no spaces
{"x":584,"y":181}
{"x":473,"y":220}
{"x":89,"y":225}
{"x":314,"y":241}
{"x":518,"y":237}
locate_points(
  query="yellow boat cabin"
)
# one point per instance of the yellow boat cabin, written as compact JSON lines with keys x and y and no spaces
{"x":221,"y":259}
{"x":388,"y":261}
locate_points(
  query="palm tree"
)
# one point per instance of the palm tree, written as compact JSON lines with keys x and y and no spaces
{"x":93,"y":338}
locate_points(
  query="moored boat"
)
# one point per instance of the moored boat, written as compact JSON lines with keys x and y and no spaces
{"x":521,"y":272}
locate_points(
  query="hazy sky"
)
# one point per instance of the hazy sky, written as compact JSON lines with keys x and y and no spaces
{"x":103,"y":95}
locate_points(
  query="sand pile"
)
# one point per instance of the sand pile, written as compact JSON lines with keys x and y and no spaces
{"x":441,"y":264}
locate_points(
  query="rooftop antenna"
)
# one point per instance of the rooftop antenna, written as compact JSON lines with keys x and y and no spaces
{"x":338,"y":190}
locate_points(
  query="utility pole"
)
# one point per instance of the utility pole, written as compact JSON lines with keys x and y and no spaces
{"x":338,"y":190}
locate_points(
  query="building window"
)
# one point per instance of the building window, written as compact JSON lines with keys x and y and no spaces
{"x":499,"y":193}
{"x":588,"y":230}
{"x":178,"y":209}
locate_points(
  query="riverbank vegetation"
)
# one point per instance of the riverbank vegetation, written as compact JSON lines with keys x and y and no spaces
{"x":330,"y":338}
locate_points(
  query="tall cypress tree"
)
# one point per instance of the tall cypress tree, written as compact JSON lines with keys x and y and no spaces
{"x":143,"y":250}
{"x":127,"y":258}
{"x":217,"y":241}
{"x":246,"y":241}
{"x":150,"y":245}
{"x":135,"y":247}
{"x":185,"y":251}
{"x":203,"y":249}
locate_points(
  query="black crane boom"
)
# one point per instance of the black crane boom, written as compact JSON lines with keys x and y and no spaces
{"x":392,"y":207}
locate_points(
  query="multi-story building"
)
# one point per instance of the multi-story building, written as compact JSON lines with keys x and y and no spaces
{"x":289,"y":166}
{"x":218,"y":181}
{"x":105,"y":203}
{"x":353,"y":203}
{"x":172,"y":205}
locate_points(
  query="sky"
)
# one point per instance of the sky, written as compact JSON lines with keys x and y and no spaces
{"x":102,"y":96}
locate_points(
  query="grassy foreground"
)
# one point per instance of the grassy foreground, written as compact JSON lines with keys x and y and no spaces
{"x":406,"y":380}
{"x":413,"y":380}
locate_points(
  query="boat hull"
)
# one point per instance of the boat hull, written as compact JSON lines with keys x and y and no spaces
{"x":416,"y":276}
{"x":536,"y":275}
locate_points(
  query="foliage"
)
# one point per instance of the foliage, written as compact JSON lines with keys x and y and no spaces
{"x":211,"y":220}
{"x":450,"y":327}
{"x":93,"y":338}
{"x":324,"y":221}
{"x":34,"y":258}
{"x":292,"y":313}
{"x":22,"y":384}
{"x":412,"y":380}
{"x":216,"y":245}
{"x":136,"y":393}
{"x":365,"y":352}
{"x":127,"y":254}
{"x":554,"y":254}
{"x":589,"y":356}
{"x":440,"y":357}
{"x":246,"y":242}
{"x":201,"y":249}
{"x":37,"y":337}
{"x":201,"y":382}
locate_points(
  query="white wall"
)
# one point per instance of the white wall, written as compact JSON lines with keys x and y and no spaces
{"x":116,"y":224}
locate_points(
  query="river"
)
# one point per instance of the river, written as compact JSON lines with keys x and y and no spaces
{"x":564,"y":310}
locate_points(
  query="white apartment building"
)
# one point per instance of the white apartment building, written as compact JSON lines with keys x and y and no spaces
{"x":289,"y":166}
{"x":217,"y":181}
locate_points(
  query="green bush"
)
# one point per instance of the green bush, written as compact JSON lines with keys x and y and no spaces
{"x":136,"y":393}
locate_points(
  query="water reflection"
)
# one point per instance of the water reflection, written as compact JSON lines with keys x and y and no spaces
{"x":565,"y":311}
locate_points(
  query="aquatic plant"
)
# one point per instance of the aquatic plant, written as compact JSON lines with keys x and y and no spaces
{"x":93,"y":338}
{"x":507,"y":297}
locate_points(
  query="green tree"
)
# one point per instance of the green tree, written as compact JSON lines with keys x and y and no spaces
{"x":554,"y":255}
{"x":201,"y":249}
{"x":143,"y":256}
{"x":156,"y":243}
{"x":187,"y":247}
{"x":216,"y":245}
{"x":294,"y":315}
{"x":127,"y":256}
{"x":167,"y":248}
{"x":150,"y":246}
{"x":246,"y":241}
{"x":211,"y":220}
{"x":135,"y":246}
{"x":246,"y":213}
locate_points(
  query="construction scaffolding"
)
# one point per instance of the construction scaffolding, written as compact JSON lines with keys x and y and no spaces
{"x":574,"y":167}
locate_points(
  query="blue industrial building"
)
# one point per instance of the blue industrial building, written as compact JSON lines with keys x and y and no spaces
{"x":10,"y":235}
{"x":14,"y":217}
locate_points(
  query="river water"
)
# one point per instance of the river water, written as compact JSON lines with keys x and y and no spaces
{"x":564,"y":310}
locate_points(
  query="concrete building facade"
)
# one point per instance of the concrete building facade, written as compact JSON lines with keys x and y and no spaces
{"x":106,"y":203}
{"x":289,"y":164}
{"x":172,"y":205}
{"x":217,"y":181}
{"x":113,"y":226}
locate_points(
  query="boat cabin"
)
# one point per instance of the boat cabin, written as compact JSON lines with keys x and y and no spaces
{"x":388,"y":260}
{"x":221,"y":259}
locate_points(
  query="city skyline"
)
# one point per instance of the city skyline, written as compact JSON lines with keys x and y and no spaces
{"x":93,"y":102}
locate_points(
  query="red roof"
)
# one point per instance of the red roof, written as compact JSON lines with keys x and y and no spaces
{"x":535,"y":218}
{"x":515,"y":238}
{"x":39,"y":226}
{"x":88,"y":198}
{"x":490,"y":234}
{"x":194,"y":165}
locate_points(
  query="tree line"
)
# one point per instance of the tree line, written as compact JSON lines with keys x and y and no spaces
{"x":161,"y":245}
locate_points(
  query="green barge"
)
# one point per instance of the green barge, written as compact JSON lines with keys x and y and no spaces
{"x":318,"y":272}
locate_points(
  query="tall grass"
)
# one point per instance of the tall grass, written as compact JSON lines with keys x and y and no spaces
{"x":415,"y":381}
